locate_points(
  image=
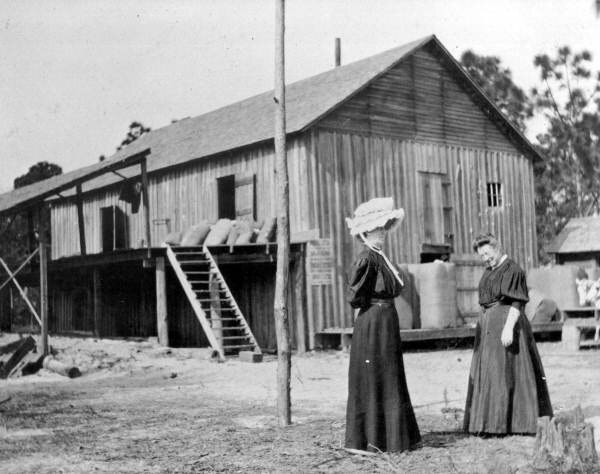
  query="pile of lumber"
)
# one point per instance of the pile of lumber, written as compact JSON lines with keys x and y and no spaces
{"x":19,"y":358}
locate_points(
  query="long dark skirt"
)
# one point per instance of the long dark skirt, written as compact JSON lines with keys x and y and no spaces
{"x":379,"y":414}
{"x":507,"y":387}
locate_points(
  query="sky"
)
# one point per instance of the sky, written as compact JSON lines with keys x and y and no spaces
{"x":75,"y":74}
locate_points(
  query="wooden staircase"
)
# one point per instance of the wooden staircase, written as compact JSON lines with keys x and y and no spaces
{"x":212,"y":301}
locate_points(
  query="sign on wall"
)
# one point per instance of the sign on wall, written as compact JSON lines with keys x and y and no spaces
{"x":320,"y":262}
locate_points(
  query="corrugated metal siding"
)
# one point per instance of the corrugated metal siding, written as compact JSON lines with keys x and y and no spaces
{"x":419,"y":100}
{"x":347,"y":169}
{"x":185,"y":196}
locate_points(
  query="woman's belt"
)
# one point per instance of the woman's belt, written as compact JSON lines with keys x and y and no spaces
{"x":382,"y":301}
{"x":490,"y":305}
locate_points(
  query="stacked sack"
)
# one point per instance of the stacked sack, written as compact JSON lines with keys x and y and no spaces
{"x":225,"y":232}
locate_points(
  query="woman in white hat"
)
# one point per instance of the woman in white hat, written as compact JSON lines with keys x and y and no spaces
{"x":379,"y":413}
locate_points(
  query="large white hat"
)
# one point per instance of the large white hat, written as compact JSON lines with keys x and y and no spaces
{"x":373,"y":214}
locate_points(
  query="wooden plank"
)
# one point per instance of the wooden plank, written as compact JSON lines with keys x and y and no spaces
{"x":447,"y":333}
{"x":24,"y":347}
{"x":44,"y":347}
{"x":80,"y":220}
{"x":146,"y":203}
{"x":162,"y":321}
{"x":300,"y":303}
{"x":97,"y":300}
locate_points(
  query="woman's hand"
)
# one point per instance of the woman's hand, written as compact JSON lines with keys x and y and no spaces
{"x":507,"y":332}
{"x":507,"y":335}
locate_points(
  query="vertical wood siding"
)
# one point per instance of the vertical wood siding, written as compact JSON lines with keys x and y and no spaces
{"x":347,"y":169}
{"x":419,"y":100}
{"x":185,"y":196}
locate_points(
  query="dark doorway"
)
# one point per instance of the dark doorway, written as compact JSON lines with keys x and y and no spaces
{"x":226,"y":196}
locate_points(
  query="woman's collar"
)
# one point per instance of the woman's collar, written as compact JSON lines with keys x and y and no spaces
{"x":500,"y":262}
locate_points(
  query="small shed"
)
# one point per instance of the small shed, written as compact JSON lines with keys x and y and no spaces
{"x":578,"y":243}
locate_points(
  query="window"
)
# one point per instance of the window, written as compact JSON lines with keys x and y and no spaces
{"x":494,"y":194}
{"x":237,"y":196}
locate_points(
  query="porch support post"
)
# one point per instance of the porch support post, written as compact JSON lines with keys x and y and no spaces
{"x":45,"y":349}
{"x":97,"y":290}
{"x":162,"y":322}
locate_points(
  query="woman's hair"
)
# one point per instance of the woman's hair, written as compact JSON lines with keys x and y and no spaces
{"x":485,"y":239}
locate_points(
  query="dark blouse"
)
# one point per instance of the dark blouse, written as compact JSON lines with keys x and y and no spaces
{"x":371,"y":278}
{"x":505,"y":283}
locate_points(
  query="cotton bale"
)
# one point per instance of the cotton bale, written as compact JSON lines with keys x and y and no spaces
{"x":557,"y":281}
{"x":407,"y":303}
{"x":436,"y":288}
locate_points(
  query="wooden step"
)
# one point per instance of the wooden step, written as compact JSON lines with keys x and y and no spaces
{"x":230,"y":328}
{"x":211,"y":300}
{"x":240,"y":346}
{"x":228,"y":338}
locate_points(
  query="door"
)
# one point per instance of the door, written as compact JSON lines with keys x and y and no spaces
{"x":436,"y":204}
{"x":433,"y":208}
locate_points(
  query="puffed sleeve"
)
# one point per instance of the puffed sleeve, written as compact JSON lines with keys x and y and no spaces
{"x":513,"y":285}
{"x":360,"y":283}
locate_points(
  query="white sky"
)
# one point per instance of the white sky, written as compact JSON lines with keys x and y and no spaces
{"x":75,"y":73}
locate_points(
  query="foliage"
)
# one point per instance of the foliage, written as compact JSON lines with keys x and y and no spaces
{"x":496,"y":81}
{"x":136,"y":130}
{"x":569,"y":101}
{"x":38,"y":172}
{"x":16,"y":232}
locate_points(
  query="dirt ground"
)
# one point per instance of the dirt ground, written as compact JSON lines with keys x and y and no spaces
{"x":142,"y":408}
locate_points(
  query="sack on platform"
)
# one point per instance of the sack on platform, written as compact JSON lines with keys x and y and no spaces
{"x":218,"y":232}
{"x":196,"y":234}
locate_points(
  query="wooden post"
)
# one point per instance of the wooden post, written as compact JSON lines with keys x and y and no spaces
{"x":300,"y":303}
{"x":284,"y":360}
{"x":43,"y":290}
{"x":146,"y":205}
{"x":162,"y":321}
{"x":97,"y":289}
{"x":80,"y":221}
{"x":216,"y":314}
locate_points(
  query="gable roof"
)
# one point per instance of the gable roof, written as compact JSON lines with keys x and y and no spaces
{"x":251,"y":121}
{"x":581,"y":234}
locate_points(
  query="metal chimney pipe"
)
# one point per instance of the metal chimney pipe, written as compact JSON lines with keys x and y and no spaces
{"x":338,"y":52}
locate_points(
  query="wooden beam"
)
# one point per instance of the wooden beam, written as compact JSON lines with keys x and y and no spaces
{"x":80,"y":221}
{"x":20,"y":268}
{"x":108,"y":167}
{"x":97,"y":290}
{"x":162,"y":323}
{"x":143,"y":167}
{"x":21,"y":291}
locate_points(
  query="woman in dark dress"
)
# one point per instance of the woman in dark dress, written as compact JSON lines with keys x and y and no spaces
{"x":507,"y":389}
{"x":379,"y":413}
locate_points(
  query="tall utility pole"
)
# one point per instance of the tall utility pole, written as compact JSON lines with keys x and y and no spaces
{"x":282,"y":326}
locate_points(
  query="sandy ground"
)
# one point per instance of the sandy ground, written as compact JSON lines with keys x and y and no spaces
{"x":142,"y":408}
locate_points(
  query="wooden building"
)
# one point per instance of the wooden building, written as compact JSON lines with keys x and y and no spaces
{"x":407,"y":123}
{"x":578,"y":243}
